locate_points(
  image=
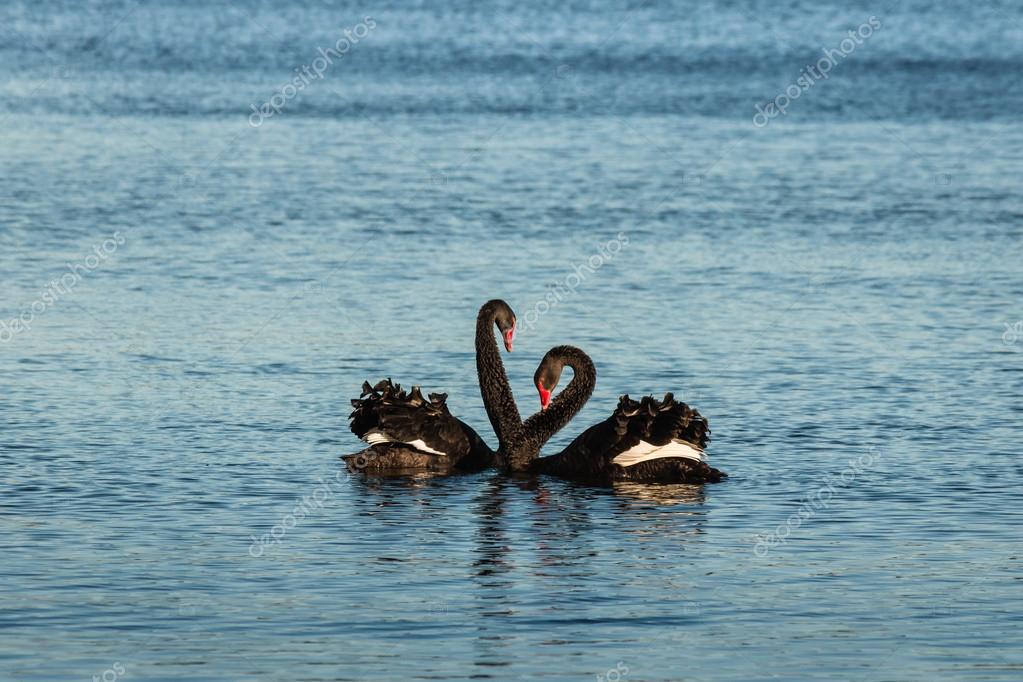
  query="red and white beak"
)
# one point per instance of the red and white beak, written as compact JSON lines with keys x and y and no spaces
{"x":509,"y":336}
{"x":545,"y":396}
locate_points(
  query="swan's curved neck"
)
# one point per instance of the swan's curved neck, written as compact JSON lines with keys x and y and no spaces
{"x":494,"y":387}
{"x":540,"y":427}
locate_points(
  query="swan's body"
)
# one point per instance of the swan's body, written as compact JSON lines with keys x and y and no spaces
{"x":647,"y":441}
{"x":407,"y":431}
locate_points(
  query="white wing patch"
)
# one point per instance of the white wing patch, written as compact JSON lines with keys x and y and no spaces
{"x":644,"y":452}
{"x":419,"y":444}
{"x":377,"y":437}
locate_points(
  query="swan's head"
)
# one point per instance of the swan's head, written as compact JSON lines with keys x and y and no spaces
{"x":546,"y":378}
{"x":504,"y":318}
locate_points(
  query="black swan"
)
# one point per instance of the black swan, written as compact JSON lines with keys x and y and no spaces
{"x":406,"y":431}
{"x":645,"y":441}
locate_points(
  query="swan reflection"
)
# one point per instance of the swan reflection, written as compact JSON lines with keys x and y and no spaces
{"x":682,"y":493}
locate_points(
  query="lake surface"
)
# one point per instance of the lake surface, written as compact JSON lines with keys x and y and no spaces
{"x":201,"y":290}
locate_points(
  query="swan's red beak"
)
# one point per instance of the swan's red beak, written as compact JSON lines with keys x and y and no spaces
{"x":509,"y":336}
{"x":545,"y":396}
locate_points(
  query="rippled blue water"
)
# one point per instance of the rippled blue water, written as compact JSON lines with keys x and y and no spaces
{"x":838,"y":290}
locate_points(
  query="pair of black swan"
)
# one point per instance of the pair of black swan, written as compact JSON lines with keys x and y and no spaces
{"x":645,"y":441}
